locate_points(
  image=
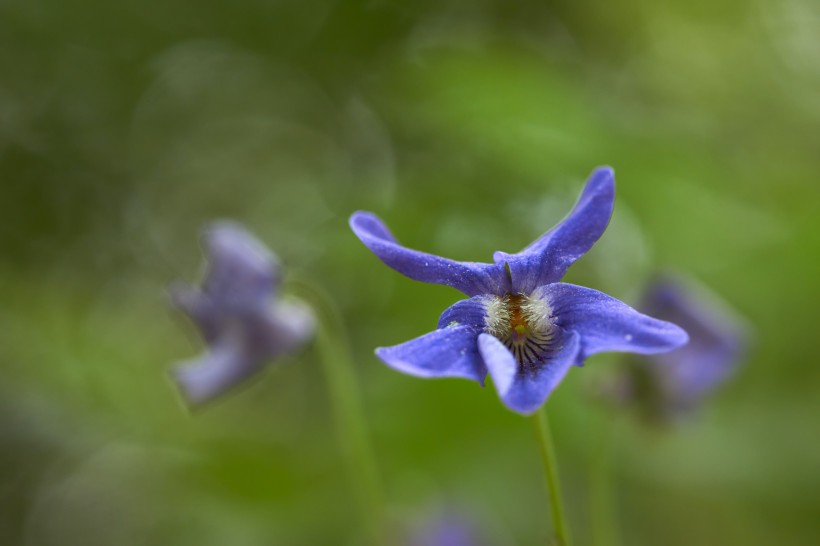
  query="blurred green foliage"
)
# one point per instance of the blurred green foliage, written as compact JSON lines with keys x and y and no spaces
{"x":469,"y":127}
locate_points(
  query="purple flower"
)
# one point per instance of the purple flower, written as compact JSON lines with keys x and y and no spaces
{"x":238,"y":313}
{"x":673,"y":383}
{"x":520,"y":323}
{"x":446,"y":529}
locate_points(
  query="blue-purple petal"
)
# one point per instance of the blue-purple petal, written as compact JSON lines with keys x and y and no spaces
{"x":239,"y":345}
{"x":448,"y":529}
{"x":447,"y":352}
{"x":198,"y":308}
{"x":547,"y":259}
{"x":471,"y":312}
{"x":607,"y":324}
{"x":470,"y":278}
{"x":717,"y":341}
{"x":242,"y":272}
{"x":220,"y":369}
{"x":526,"y":390}
{"x":282,"y":328}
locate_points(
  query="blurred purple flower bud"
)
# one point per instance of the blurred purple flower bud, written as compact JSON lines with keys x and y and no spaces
{"x":446,"y":529}
{"x":673,"y":383}
{"x":238,"y":312}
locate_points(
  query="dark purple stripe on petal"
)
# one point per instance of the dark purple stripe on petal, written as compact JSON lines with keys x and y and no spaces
{"x":525,"y":390}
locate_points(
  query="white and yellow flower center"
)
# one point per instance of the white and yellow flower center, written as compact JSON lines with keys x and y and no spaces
{"x":524,"y":325}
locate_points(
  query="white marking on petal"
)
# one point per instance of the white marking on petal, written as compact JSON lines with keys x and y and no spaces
{"x":537,"y":313}
{"x":497,"y":319}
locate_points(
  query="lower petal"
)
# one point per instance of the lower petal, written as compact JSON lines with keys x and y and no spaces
{"x":521,"y":389}
{"x":447,"y":352}
{"x":216,"y":372}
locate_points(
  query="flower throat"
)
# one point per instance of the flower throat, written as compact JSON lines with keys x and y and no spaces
{"x":522,"y":323}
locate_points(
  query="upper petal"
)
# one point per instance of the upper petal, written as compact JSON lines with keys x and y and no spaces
{"x":469,"y":277}
{"x":548,"y":258}
{"x":607,"y":324}
{"x":525,"y":390}
{"x":447,"y":352}
{"x":241,"y":270}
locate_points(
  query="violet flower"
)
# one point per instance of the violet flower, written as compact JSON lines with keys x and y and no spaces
{"x":673,"y":383}
{"x":520,"y":323}
{"x":238,"y":312}
{"x":446,"y":529}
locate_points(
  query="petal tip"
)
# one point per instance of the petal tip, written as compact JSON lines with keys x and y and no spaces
{"x":183,"y":375}
{"x":525,"y":406}
{"x":400,"y":365}
{"x":603,"y":178}
{"x":358,"y":217}
{"x":229,"y":244}
{"x":229,"y":233}
{"x":678,"y":337}
{"x":370,"y":228}
{"x":668,"y":338}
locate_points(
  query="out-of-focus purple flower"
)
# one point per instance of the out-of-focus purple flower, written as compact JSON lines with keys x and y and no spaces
{"x":447,"y":529}
{"x":675,"y":382}
{"x":238,"y":312}
{"x":520,"y":323}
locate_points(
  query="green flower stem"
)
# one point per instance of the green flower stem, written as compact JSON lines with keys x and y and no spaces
{"x":335,"y":355}
{"x":604,"y":525}
{"x":547,"y":450}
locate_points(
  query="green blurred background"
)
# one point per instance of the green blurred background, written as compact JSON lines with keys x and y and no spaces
{"x":469,"y":126}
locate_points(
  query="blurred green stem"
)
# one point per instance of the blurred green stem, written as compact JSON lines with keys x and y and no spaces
{"x":604,"y":525}
{"x":547,"y":450}
{"x":335,"y":355}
